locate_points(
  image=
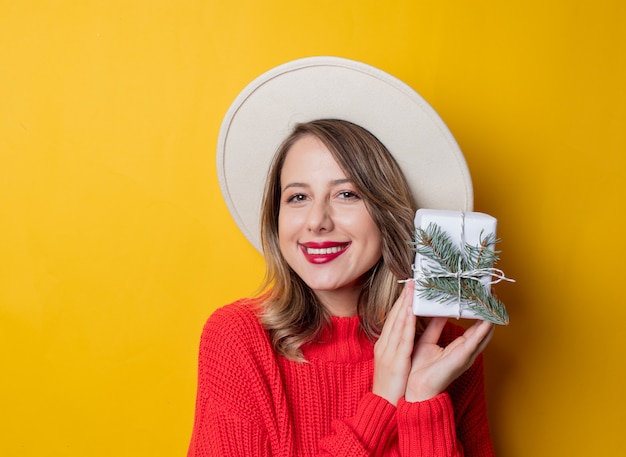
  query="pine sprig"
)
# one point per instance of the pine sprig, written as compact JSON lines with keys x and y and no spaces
{"x":441,"y":283}
{"x":435,"y":244}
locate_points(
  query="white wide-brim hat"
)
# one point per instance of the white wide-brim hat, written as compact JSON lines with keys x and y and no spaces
{"x":267,"y":110}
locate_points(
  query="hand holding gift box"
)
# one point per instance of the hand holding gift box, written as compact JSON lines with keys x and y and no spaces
{"x":454,"y":266}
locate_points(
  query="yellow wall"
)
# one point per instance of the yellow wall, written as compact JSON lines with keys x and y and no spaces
{"x":115,"y":244}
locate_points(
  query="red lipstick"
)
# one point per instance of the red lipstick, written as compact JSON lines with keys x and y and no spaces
{"x":323,"y":252}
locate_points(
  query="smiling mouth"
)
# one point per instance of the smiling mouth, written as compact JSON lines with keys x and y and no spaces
{"x":326,"y":251}
{"x":324,"y":254}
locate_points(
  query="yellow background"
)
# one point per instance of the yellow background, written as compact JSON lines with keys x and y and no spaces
{"x":115,"y":244}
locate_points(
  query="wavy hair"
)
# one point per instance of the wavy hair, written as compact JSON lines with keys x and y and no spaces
{"x":290,"y":310}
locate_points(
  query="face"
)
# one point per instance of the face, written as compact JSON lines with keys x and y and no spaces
{"x":325,"y":231}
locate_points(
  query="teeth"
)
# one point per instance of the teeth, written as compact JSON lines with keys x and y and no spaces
{"x":325,"y":251}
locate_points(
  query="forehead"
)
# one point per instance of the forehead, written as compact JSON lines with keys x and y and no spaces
{"x":309,"y":158}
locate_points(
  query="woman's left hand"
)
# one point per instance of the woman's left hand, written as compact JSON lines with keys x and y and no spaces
{"x":433,"y":367}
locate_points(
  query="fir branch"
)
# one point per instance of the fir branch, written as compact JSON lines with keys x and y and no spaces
{"x":434,"y":243}
{"x":482,"y":256}
{"x":483,"y":303}
{"x":441,"y":283}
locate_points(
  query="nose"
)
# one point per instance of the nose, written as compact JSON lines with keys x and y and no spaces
{"x":320,"y":218}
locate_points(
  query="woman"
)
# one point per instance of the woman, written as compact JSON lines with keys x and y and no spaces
{"x":331,"y":360}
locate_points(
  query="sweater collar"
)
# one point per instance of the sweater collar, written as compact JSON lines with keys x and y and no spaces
{"x":341,"y":341}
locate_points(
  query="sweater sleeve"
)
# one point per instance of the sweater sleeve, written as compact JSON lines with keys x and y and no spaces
{"x":427,"y":428}
{"x":371,"y":431}
{"x":470,"y":410}
{"x":227,"y":420}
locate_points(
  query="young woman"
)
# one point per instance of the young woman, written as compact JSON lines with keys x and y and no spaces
{"x":330,"y":360}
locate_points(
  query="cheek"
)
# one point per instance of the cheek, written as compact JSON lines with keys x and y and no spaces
{"x":378,"y":250}
{"x":287,"y":231}
{"x":370,"y":227}
{"x":283,"y":226}
{"x":290,"y":222}
{"x":376,"y":239}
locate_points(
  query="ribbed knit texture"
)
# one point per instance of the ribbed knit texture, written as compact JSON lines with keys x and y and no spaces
{"x":251,"y":402}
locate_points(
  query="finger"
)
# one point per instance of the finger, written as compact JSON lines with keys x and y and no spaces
{"x":410,"y":327}
{"x":475,"y":339}
{"x":394,"y":322}
{"x":478,"y":332}
{"x":400,"y":302}
{"x":403,"y":335}
{"x":405,"y":298}
{"x":485,"y":341}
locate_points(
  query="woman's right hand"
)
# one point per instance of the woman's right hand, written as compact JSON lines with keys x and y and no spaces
{"x":393,"y":350}
{"x":420,"y":370}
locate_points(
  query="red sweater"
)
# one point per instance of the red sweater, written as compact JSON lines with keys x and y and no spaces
{"x":252,"y":402}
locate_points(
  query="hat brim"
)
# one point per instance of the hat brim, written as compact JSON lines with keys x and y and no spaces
{"x":266,"y":111}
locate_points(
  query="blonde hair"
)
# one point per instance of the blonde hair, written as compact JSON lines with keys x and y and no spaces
{"x":290,"y":310}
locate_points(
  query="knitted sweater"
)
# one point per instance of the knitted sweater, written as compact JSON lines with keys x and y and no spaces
{"x":252,"y":402}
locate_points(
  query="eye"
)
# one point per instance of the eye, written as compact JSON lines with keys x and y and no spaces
{"x":348,"y":195}
{"x":296,"y":198}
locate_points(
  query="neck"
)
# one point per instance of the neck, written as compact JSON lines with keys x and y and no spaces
{"x":340,"y":303}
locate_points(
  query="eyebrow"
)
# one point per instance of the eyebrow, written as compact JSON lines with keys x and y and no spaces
{"x":334,"y":182}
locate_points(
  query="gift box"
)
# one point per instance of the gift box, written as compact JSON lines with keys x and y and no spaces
{"x":454,"y":266}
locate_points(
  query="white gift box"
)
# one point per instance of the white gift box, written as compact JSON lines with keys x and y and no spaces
{"x":463,"y":228}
